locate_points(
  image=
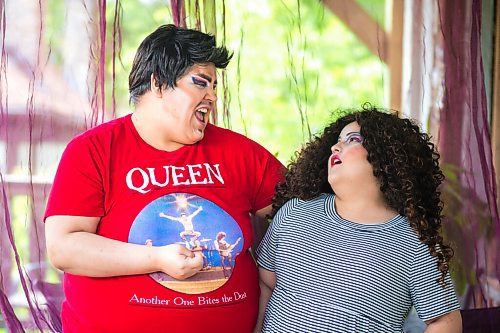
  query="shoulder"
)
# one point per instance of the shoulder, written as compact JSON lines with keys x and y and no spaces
{"x":101,"y":132}
{"x":290,"y":205}
{"x":299,"y":208}
{"x":219,"y":135}
{"x":403,"y":231}
{"x":418,"y":253}
{"x":96,"y":141}
{"x":223,"y":132}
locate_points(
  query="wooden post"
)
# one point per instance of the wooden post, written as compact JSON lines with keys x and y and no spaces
{"x":395,"y":15}
{"x":361,"y":24}
{"x":386,"y":44}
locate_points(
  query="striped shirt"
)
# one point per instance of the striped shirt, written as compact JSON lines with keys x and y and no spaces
{"x":334,"y":275}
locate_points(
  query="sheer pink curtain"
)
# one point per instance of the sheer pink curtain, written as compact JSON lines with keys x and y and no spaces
{"x":443,"y":88}
{"x":43,"y":105}
{"x":45,"y":100}
{"x":465,"y":144}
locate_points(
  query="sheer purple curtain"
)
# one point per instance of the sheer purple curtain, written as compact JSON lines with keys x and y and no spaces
{"x":443,"y":88}
{"x":51,"y":90}
{"x":473,"y":223}
{"x":44,"y":102}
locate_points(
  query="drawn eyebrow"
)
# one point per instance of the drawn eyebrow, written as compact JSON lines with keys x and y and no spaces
{"x":349,"y":134}
{"x":206,"y":77}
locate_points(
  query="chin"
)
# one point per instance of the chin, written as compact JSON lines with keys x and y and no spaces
{"x":198,"y":137}
{"x":331,"y":180}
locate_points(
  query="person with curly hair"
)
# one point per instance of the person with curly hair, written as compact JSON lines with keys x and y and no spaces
{"x":355,"y":239}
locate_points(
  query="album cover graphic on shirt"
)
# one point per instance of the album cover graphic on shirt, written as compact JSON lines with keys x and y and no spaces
{"x":197,"y":224}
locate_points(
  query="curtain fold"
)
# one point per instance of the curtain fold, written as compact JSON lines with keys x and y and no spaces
{"x":43,"y":105}
{"x":465,"y":144}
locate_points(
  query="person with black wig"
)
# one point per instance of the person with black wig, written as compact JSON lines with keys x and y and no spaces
{"x":355,"y":239}
{"x":125,"y":268}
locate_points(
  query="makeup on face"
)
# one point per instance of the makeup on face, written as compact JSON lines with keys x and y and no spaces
{"x":351,"y":137}
{"x":203,"y":80}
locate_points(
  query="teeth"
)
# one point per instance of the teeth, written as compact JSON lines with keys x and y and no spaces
{"x":203,"y":110}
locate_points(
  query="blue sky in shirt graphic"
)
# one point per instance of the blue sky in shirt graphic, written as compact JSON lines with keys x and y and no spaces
{"x":191,"y":221}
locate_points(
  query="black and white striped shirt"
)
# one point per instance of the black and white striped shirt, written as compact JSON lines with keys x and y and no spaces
{"x":334,"y":275}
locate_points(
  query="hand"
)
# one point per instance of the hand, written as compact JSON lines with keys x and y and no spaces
{"x":179,"y":262}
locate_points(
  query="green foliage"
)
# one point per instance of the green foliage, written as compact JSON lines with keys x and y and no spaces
{"x":53,"y":23}
{"x":210,"y":17}
{"x":375,"y":8}
{"x":137,"y":20}
{"x":21,"y":214}
{"x":294,"y":63}
{"x":467,"y":222}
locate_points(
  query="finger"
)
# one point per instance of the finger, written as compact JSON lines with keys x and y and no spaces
{"x":199,"y":260}
{"x":186,"y":252}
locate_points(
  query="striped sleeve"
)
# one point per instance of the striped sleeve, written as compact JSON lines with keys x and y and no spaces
{"x":266,"y":252}
{"x":430,"y":298}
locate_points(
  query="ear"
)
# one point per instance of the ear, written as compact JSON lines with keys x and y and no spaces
{"x":154,"y":88}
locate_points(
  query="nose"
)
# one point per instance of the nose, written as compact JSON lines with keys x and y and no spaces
{"x":211,"y":95}
{"x":336,"y":147}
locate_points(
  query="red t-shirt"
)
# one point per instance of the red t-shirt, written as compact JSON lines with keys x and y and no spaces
{"x":199,"y":196}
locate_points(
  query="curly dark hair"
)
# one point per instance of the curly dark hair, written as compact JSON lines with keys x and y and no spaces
{"x":168,"y":53}
{"x":405,"y":163}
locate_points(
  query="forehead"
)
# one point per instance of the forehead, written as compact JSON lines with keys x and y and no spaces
{"x":206,"y":69}
{"x":351,"y":127}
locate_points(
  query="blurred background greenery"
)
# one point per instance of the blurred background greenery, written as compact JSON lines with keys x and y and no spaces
{"x":294,"y":63}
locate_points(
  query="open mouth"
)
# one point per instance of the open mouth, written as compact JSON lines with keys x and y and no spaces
{"x":201,"y":113}
{"x":335,"y":161}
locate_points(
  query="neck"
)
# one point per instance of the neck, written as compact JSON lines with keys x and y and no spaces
{"x":363,"y":208}
{"x":149,"y":131}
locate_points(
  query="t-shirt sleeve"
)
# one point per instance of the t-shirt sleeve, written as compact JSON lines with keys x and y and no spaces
{"x":266,"y":252}
{"x":269,"y":171}
{"x":78,"y":185}
{"x":430,"y":298}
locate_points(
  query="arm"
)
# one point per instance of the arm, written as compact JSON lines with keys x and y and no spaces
{"x":169,"y":217}
{"x":263,"y":212}
{"x":74,"y":247}
{"x":196,"y":211}
{"x":267,"y":284}
{"x":235,"y":243}
{"x":260,"y":224}
{"x":450,"y":323}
